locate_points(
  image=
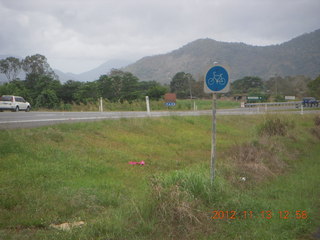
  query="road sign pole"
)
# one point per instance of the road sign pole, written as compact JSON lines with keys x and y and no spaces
{"x":213,"y":142}
{"x":216,"y":80}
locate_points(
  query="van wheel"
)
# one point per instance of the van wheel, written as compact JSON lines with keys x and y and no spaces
{"x":17,"y":109}
{"x":28,"y":109}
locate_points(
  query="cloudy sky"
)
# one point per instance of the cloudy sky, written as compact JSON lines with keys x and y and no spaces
{"x":78,"y":35}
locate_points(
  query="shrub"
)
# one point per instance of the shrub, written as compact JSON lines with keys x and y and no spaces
{"x":47,"y":99}
{"x":316,"y":129}
{"x":257,"y":161}
{"x":317,"y":120}
{"x":179,"y":199}
{"x":274,"y":126}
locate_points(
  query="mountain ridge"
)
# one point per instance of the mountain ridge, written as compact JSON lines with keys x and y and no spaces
{"x":94,"y":73}
{"x":298,"y":56}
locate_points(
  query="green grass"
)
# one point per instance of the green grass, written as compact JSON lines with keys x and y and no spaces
{"x":139,"y":105}
{"x":73,"y":172}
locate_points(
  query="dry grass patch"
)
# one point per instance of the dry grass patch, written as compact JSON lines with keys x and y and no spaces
{"x":177,"y":211}
{"x":275,"y":126}
{"x":315,"y":131}
{"x":257,"y":161}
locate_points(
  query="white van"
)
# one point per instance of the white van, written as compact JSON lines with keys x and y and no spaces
{"x":14,"y":103}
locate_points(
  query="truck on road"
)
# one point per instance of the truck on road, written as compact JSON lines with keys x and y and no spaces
{"x":310,"y":102}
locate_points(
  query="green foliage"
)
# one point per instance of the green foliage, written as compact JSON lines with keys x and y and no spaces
{"x":279,"y":98}
{"x":15,"y":87}
{"x":87,"y":92}
{"x":287,"y":86}
{"x":181,"y":84}
{"x":40,"y":85}
{"x":275,"y":88}
{"x":156,"y":92}
{"x":314,"y":88}
{"x":37,"y":84}
{"x":68,"y":90}
{"x":47,"y":99}
{"x":197,"y":89}
{"x":118,"y":86}
{"x":121,"y":86}
{"x":247,"y":85}
{"x":37,"y":64}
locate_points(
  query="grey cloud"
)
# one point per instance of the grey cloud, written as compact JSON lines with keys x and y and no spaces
{"x":86,"y":32}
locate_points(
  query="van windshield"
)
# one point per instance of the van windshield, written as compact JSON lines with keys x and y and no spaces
{"x":6,"y":98}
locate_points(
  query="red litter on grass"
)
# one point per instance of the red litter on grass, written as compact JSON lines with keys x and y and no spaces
{"x":137,"y":163}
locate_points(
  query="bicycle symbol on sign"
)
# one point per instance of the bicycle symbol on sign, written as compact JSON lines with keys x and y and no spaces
{"x":217,"y":78}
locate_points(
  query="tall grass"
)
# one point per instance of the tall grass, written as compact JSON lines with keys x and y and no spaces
{"x":140,"y":105}
{"x":80,"y":172}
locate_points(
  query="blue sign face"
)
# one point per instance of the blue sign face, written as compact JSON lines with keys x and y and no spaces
{"x":170,"y":104}
{"x":217,"y":78}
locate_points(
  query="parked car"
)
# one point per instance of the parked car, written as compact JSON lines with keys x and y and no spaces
{"x":14,"y":103}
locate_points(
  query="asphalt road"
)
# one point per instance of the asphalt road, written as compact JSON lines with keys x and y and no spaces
{"x":35,"y":119}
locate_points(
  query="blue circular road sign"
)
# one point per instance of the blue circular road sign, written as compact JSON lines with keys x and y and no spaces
{"x":217,"y":78}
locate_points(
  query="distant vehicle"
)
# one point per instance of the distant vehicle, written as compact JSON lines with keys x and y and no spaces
{"x":14,"y":103}
{"x":310,"y":102}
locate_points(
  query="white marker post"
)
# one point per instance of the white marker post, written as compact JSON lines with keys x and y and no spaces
{"x":216,"y":81}
{"x":148,"y":105}
{"x":101,"y":105}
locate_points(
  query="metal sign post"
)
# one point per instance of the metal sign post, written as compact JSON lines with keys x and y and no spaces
{"x":213,"y":140}
{"x":216,"y":81}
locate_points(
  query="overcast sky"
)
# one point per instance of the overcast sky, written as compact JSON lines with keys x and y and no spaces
{"x":78,"y":35}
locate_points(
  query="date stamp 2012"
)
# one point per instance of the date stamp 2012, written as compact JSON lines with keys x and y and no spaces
{"x":265,"y":214}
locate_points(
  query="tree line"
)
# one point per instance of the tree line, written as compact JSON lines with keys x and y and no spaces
{"x":273,"y":89}
{"x":277,"y":87}
{"x":42,"y":88}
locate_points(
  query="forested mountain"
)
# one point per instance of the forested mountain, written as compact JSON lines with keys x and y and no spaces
{"x":299,"y":56}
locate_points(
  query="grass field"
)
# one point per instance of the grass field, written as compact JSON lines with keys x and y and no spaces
{"x":139,"y":105}
{"x":79,"y":172}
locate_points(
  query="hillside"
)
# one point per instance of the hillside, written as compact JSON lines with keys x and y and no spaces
{"x":299,"y":56}
{"x":90,"y":75}
{"x":93,"y":74}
